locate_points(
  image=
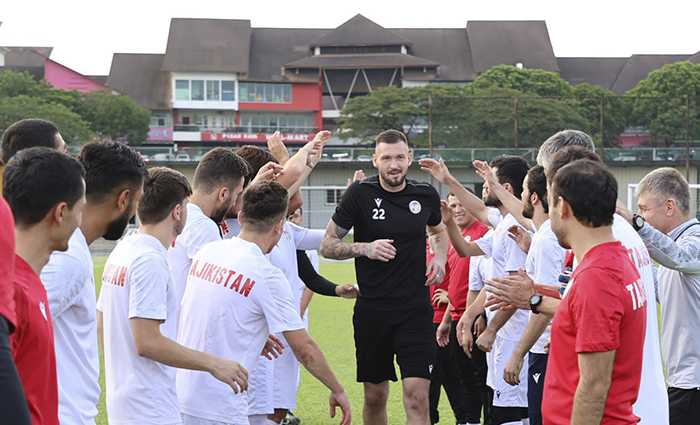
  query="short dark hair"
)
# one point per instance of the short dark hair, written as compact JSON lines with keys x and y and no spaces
{"x":537,"y":183}
{"x":390,"y":137}
{"x":511,"y":169}
{"x":27,"y":133}
{"x":256,"y":158}
{"x":590,"y":189}
{"x":109,"y":167}
{"x":264,"y":204}
{"x":220,"y":167}
{"x":163,"y":189}
{"x":37,"y":179}
{"x":567,"y":156}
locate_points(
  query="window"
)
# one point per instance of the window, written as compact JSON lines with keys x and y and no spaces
{"x":197,"y":89}
{"x":265,"y":92}
{"x":213,"y":90}
{"x":228,"y":91}
{"x":182,"y":90}
{"x":333,"y":196}
{"x":267,"y":122}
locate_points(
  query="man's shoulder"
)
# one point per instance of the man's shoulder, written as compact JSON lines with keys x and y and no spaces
{"x":421,"y":187}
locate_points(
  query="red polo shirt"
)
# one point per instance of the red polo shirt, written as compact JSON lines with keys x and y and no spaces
{"x":459,"y":270}
{"x":604,"y":310}
{"x":32,"y":346}
{"x":7,"y":264}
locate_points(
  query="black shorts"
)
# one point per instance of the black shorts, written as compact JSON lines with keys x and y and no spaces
{"x":381,"y":334}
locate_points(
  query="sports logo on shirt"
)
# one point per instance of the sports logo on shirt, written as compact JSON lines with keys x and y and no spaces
{"x":415,"y":207}
{"x":378,"y":213}
{"x":378,"y":201}
{"x":536,"y":377}
{"x":430,"y":368}
{"x":42,"y":308}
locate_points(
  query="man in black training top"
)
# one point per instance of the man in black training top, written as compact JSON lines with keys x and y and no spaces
{"x":393,"y":316}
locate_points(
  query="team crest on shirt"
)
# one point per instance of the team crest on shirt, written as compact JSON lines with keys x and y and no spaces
{"x":42,"y":308}
{"x":378,"y":201}
{"x":415,"y":207}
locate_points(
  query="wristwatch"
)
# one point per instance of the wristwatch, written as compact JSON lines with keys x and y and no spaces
{"x":638,"y":222}
{"x":535,"y":302}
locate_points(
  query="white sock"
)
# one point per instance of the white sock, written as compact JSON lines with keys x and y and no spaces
{"x":526,"y":421}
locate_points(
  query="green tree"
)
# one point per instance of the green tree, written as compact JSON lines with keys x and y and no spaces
{"x":666,"y":102}
{"x":590,"y":100}
{"x":527,"y":81}
{"x":72,"y":127}
{"x":115,"y":117}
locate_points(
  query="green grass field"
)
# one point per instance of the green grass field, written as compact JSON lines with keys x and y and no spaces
{"x":331,"y":327}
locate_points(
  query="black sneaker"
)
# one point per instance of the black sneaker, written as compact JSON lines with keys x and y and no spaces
{"x":291,"y":420}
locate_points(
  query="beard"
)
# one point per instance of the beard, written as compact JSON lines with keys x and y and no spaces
{"x":218,"y":215}
{"x":561,"y":237}
{"x":115,"y":229}
{"x":394,"y":180}
{"x":179,"y":227}
{"x":492,"y":201}
{"x":528,"y":210}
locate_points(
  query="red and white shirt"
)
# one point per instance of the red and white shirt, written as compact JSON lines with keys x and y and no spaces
{"x":32,"y":345}
{"x":7,"y":264}
{"x":604,"y":310}
{"x":459,"y":270}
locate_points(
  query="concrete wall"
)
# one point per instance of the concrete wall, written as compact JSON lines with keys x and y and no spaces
{"x":317,"y":211}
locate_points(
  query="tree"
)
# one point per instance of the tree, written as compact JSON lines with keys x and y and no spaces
{"x":115,"y":117}
{"x":109,"y":116}
{"x":589,"y":100}
{"x":666,"y":102}
{"x":526,"y":81}
{"x":72,"y":127}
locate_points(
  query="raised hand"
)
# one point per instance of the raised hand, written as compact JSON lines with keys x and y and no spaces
{"x":381,"y":250}
{"x":521,"y":237}
{"x":359,"y":175}
{"x":268,"y":172}
{"x":437,"y":169}
{"x":446,"y":212}
{"x":484,"y":171}
{"x":277,"y":147}
{"x":315,"y":148}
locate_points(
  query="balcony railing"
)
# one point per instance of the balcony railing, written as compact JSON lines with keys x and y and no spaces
{"x":452,"y":155}
{"x":247,"y":129}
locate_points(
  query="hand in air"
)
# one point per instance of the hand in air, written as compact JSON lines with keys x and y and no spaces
{"x":436,"y":168}
{"x":521,"y":236}
{"x":267,"y":173}
{"x":277,"y":147}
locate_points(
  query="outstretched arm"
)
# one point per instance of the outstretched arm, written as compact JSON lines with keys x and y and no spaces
{"x":509,"y":201}
{"x":461,"y":246}
{"x":334,"y":247}
{"x":469,"y":201}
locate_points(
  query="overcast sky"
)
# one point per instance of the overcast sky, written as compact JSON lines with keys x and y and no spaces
{"x":85,"y":34}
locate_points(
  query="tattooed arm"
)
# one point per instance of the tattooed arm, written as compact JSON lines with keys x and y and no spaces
{"x":333,"y":246}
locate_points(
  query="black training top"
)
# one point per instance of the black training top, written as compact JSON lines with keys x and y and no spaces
{"x":401,"y":216}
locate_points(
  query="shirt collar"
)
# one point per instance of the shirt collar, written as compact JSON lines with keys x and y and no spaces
{"x":678,"y":230}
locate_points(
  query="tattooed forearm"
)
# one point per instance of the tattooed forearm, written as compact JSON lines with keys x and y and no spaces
{"x":333,"y":246}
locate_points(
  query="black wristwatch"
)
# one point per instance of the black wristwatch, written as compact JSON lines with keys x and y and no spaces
{"x":535,"y":302}
{"x":638,"y":222}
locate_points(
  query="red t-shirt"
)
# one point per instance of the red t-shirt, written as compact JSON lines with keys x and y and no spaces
{"x":439,"y":310}
{"x":604,"y":310}
{"x":459,"y":270}
{"x":32,"y":346}
{"x":7,"y":264}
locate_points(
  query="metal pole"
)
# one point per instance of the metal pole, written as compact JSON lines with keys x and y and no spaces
{"x":602,"y":127}
{"x":687,"y":137}
{"x":515,"y":122}
{"x":430,"y":124}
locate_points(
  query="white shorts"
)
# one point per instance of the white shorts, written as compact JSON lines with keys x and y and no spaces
{"x":273,"y":384}
{"x":504,"y":394}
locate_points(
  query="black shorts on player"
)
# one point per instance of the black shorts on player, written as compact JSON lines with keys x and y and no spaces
{"x":381,"y":335}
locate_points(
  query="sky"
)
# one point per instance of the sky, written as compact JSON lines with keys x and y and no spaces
{"x":85,"y":34}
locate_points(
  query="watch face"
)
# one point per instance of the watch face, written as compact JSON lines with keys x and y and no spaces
{"x":638,"y":222}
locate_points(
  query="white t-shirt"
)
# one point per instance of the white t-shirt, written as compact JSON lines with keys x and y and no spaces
{"x":231,"y":304}
{"x":136,"y":283}
{"x":70,"y":287}
{"x":506,"y":257}
{"x":198,"y":231}
{"x":544,"y":264}
{"x":652,"y":401}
